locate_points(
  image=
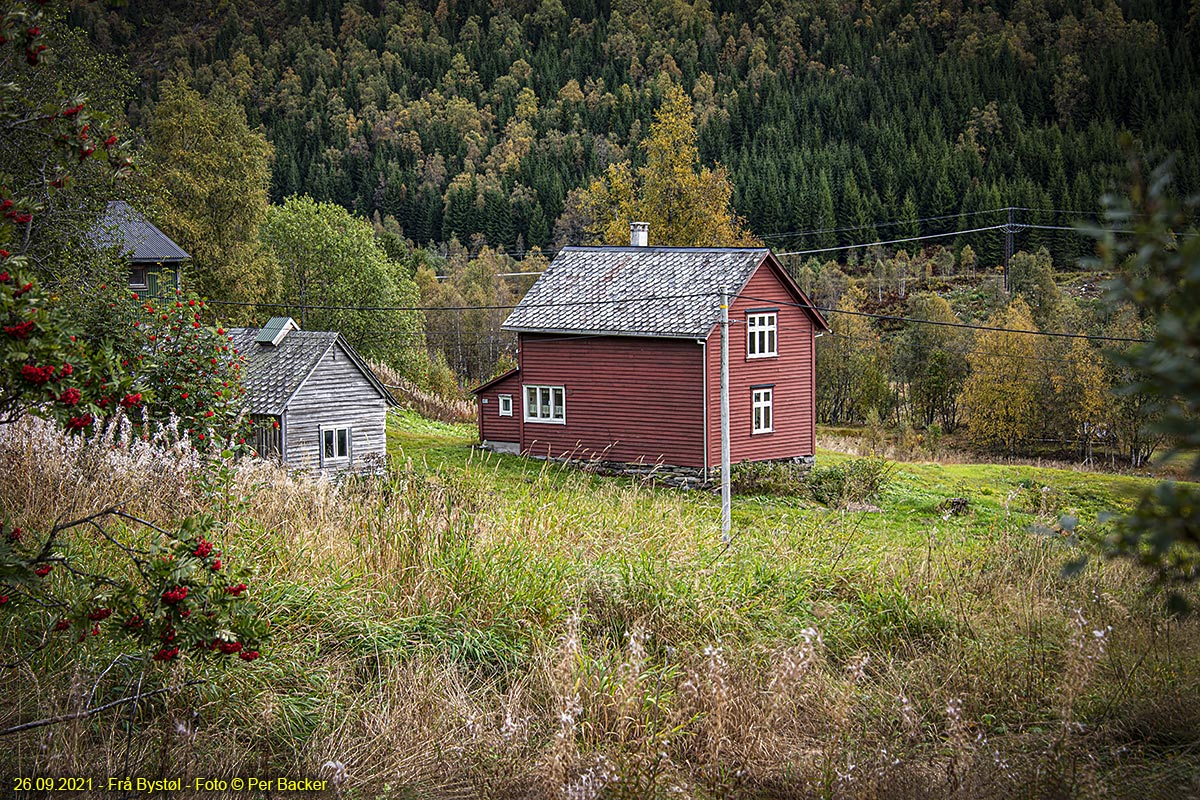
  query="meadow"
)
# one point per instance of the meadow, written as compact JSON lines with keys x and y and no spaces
{"x":477,"y":625}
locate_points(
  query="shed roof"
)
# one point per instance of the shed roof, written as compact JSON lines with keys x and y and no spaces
{"x":636,"y":291}
{"x":125,"y":227}
{"x":274,"y":373}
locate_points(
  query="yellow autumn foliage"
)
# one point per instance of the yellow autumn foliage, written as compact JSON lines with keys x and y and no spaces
{"x":687,"y":205}
{"x":999,"y":400}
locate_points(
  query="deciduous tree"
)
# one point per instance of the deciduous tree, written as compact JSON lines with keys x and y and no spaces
{"x":685,"y":203}
{"x":210,"y":173}
{"x":931,"y":362}
{"x":328,"y":257}
{"x":999,"y":401}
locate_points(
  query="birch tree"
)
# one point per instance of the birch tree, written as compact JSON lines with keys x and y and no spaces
{"x":685,"y":203}
{"x":999,"y":400}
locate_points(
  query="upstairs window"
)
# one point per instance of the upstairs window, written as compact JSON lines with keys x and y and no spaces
{"x":760,"y":334}
{"x":761,"y":401}
{"x":546,"y":404}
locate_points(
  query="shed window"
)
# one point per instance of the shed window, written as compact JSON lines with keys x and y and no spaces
{"x":760,"y":335}
{"x":335,"y":443}
{"x":761,"y":401}
{"x":506,"y":405}
{"x":546,"y":404}
{"x":138,"y":279}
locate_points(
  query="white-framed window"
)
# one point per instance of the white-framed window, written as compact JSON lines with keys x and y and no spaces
{"x":335,"y":443}
{"x":760,"y":334}
{"x":546,"y":404}
{"x":761,"y":401}
{"x":505,"y":405}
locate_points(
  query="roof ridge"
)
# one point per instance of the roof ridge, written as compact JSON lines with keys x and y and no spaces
{"x":643,"y":291}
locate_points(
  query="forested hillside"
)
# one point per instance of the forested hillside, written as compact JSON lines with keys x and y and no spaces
{"x":474,"y":117}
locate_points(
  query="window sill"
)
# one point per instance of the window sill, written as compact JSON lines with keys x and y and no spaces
{"x":546,"y":421}
{"x":756,"y":358}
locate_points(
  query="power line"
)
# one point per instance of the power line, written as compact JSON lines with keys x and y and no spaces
{"x":1099,"y":227}
{"x":892,"y":241}
{"x":460,"y":308}
{"x":651,"y":298}
{"x":878,"y":225}
{"x":894,"y":318}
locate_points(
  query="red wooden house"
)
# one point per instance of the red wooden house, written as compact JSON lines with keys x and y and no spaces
{"x":619,"y":359}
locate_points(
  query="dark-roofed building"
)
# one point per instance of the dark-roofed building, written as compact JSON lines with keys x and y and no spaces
{"x":318,"y":405}
{"x":154,"y":260}
{"x":619,"y":359}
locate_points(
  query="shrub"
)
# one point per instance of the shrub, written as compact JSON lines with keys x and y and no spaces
{"x":854,"y":481}
{"x":768,"y":477}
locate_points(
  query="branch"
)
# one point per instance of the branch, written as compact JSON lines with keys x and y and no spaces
{"x":41,"y":723}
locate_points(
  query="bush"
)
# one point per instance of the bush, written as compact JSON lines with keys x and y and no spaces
{"x":768,"y":477}
{"x":852,"y":482}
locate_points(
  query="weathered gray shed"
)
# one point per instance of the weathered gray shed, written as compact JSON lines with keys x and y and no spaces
{"x":320,"y":406}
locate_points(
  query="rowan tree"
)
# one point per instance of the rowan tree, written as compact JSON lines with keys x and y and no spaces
{"x":82,"y":578}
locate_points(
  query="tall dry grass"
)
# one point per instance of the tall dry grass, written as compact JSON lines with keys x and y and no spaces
{"x":444,"y":635}
{"x":431,"y":405}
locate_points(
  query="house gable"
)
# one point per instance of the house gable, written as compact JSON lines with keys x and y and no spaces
{"x":312,"y":382}
{"x":336,"y":395}
{"x":786,"y":379}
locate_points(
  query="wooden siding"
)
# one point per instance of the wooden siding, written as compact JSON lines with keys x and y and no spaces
{"x":791,"y":373}
{"x":335,"y":394}
{"x":627,"y":399}
{"x":492,"y":426}
{"x":161,"y":281}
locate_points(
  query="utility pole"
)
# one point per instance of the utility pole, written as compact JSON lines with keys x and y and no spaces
{"x":1009,"y":229}
{"x":725,"y":501}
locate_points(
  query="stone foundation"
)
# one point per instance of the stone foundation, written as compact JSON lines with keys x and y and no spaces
{"x":656,"y":474}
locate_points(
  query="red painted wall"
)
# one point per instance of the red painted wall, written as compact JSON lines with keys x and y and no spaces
{"x":791,"y":372}
{"x":627,"y":398}
{"x":492,"y":426}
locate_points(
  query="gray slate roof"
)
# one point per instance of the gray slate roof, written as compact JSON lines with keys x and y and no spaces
{"x":272,"y":374}
{"x":634,"y":291}
{"x":123,"y":226}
